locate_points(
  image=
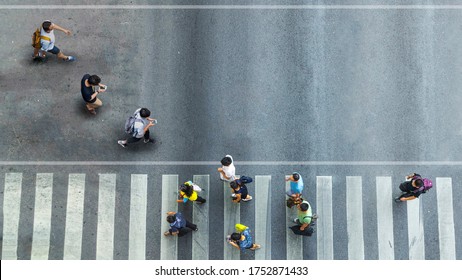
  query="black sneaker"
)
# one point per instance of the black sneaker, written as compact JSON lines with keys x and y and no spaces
{"x":150,"y":140}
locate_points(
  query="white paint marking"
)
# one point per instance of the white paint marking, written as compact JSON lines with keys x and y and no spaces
{"x":42,"y":216}
{"x":200,"y":238}
{"x":262,"y":216}
{"x":168,"y":244}
{"x":11,"y":210}
{"x":74,"y":217}
{"x":354,"y":207}
{"x":446,"y":230}
{"x":294,"y":243}
{"x":138,"y":207}
{"x":384,"y":194}
{"x":106,"y":214}
{"x":415,"y":230}
{"x":232,"y":216}
{"x":325,"y":229}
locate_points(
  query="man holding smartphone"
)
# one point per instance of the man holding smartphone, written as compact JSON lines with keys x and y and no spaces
{"x":91,"y":86}
{"x":137,"y":126}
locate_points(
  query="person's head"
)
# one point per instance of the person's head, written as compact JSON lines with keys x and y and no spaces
{"x":171,"y":218}
{"x":94,"y":80}
{"x":145,"y":113}
{"x":296,"y":176}
{"x":234,"y":185}
{"x":47,"y":26}
{"x":303,"y":207}
{"x":226,"y":161}
{"x":236,"y":236}
{"x":187,"y":189}
{"x":418,"y":183}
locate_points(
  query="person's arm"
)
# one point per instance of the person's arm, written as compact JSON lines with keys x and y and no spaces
{"x":407,"y":198}
{"x":304,"y":226}
{"x":148,"y":126}
{"x":171,"y":213}
{"x":232,"y":242}
{"x":223,"y":173}
{"x":238,"y":198}
{"x":57,"y":27}
{"x":94,"y":95}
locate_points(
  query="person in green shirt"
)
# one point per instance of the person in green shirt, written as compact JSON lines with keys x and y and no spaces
{"x":304,"y":215}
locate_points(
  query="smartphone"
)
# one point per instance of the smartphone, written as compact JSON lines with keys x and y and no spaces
{"x":103,"y":87}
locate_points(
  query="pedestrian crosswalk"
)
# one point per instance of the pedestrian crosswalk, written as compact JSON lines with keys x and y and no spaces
{"x":210,"y":221}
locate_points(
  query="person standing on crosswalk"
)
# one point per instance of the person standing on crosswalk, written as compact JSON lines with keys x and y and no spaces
{"x":239,"y":191}
{"x":137,"y":126}
{"x":189,"y":191}
{"x":179,"y":225}
{"x":227,"y":170}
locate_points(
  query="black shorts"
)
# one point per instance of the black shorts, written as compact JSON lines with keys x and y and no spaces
{"x":54,"y":50}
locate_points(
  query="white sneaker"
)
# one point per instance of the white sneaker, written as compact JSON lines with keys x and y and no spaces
{"x":121,"y":143}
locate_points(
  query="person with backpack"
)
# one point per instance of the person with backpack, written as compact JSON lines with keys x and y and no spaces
{"x":305,"y":219}
{"x":189,"y":191}
{"x":242,"y":239}
{"x":137,"y":126}
{"x":227,"y":170}
{"x":239,"y":191}
{"x":43,"y":41}
{"x":413,"y":187}
{"x":90,"y":87}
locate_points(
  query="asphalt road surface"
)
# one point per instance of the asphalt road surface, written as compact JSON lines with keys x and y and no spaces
{"x":364,"y":91}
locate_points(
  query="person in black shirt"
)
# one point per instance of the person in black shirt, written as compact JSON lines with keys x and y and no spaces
{"x":412,"y":188}
{"x":90,"y":88}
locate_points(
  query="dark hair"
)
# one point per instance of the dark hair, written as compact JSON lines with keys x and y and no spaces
{"x":226,"y":161}
{"x":234,"y":185}
{"x":419,"y":183}
{"x":144,"y":113}
{"x":171,"y":218}
{"x":94,"y":80}
{"x":46,"y":25}
{"x":187,"y":189}
{"x":236,"y":236}
{"x":296,"y":176}
{"x":304,"y":207}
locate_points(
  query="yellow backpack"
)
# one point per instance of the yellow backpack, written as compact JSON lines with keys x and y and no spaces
{"x":36,"y":39}
{"x":240,"y":227}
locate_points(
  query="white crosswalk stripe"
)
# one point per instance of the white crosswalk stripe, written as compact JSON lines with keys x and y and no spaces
{"x":355,"y":218}
{"x":42,"y":216}
{"x":74,"y":217}
{"x":106,"y":213}
{"x":385,"y":218}
{"x":200,"y":248}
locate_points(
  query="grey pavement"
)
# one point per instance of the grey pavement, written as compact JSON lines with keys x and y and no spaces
{"x":261,"y":85}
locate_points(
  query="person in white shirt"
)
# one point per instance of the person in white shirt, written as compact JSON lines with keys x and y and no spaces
{"x":140,"y":128}
{"x":227,"y":171}
{"x":47,"y":41}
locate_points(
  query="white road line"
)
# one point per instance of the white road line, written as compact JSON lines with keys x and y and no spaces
{"x":445,"y":219}
{"x":138,"y":207}
{"x":106,"y":214}
{"x":42,"y":216}
{"x":386,"y":243}
{"x":325,"y":229}
{"x":354,"y":207}
{"x":230,"y":7}
{"x":200,"y":239}
{"x":294,"y":243}
{"x":415,"y":230}
{"x":74,"y":217}
{"x":262,"y":217}
{"x":232,"y":216}
{"x":216,"y":163}
{"x":11,"y":210}
{"x":168,"y":244}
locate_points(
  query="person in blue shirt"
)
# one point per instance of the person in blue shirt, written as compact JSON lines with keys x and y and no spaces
{"x":243,"y":240}
{"x":178,"y":224}
{"x":296,"y":184}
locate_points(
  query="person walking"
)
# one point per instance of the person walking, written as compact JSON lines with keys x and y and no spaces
{"x":239,"y":191}
{"x":138,"y":126}
{"x":295,"y":192}
{"x":179,"y":225}
{"x":305,"y":219}
{"x":90,"y":87}
{"x":189,"y":191}
{"x":47,"y":41}
{"x":413,"y":187}
{"x":227,"y":170}
{"x":242,"y":240}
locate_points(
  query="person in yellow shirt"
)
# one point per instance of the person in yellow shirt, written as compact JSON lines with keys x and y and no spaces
{"x":188,"y":191}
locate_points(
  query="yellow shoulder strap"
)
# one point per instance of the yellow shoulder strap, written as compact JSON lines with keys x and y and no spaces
{"x":46,"y":38}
